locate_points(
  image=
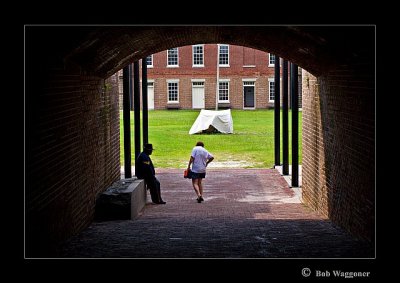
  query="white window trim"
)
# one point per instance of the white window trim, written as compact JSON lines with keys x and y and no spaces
{"x":280,"y":88}
{"x":150,"y":81}
{"x":229,"y":59}
{"x":249,"y":80}
{"x":177,"y":55}
{"x":269,"y":89}
{"x":249,"y":66}
{"x":223,"y":81}
{"x":152,"y":62}
{"x":172,"y":81}
{"x":198,"y":80}
{"x":198,"y":65}
{"x":269,"y":60}
{"x":197,"y":86}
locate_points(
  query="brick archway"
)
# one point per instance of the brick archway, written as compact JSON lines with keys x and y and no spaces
{"x":104,"y":50}
{"x":72,"y":118}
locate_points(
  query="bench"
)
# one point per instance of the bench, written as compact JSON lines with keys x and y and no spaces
{"x":123,"y":200}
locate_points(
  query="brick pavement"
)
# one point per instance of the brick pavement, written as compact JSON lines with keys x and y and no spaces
{"x":247,"y":213}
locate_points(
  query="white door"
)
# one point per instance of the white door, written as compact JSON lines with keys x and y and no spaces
{"x":150,"y":95}
{"x":198,"y":101}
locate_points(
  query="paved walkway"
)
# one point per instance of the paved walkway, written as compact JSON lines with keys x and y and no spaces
{"x":247,"y":213}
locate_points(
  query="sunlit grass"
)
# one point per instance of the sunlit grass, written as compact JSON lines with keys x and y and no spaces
{"x":251,"y":144}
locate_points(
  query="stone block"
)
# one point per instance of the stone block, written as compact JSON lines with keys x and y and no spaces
{"x":123,"y":200}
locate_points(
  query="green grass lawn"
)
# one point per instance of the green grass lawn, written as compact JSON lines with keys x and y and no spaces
{"x":251,"y":145}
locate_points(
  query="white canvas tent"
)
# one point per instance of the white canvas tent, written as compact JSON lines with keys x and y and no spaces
{"x":210,"y":120}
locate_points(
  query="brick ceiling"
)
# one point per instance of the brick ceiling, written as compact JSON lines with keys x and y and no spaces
{"x":103,"y":50}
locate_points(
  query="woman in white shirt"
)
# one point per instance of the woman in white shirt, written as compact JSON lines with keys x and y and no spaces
{"x":200,"y":158}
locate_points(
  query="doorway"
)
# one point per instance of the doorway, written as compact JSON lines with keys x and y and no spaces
{"x":198,"y":101}
{"x":150,"y":95}
{"x":248,"y":95}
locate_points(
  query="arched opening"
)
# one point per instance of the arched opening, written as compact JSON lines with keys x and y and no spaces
{"x":245,"y":69}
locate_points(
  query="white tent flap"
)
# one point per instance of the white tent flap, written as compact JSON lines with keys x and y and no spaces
{"x":219,"y":120}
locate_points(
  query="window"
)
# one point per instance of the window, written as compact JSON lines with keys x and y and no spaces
{"x":198,"y":84}
{"x":223,"y":91}
{"x":248,"y":83}
{"x":172,"y":57}
{"x":271,"y":83}
{"x":173,"y":91}
{"x":271,"y":62}
{"x":149,"y":61}
{"x":198,"y":56}
{"x":223,"y":55}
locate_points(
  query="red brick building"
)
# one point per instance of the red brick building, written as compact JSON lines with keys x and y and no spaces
{"x":185,"y":78}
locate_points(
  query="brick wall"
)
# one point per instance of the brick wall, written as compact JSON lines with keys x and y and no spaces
{"x":338,"y":148}
{"x":239,"y":59}
{"x":244,"y":63}
{"x":72,"y":155}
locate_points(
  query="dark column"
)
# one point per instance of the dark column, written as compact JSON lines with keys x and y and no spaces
{"x":136,"y":108}
{"x":277,"y":113}
{"x":130,"y":87}
{"x":295,"y":124}
{"x":285,"y":119}
{"x":145,"y":110}
{"x":127,"y":122}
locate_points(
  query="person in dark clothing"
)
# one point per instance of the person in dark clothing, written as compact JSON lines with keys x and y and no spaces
{"x":145,"y":170}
